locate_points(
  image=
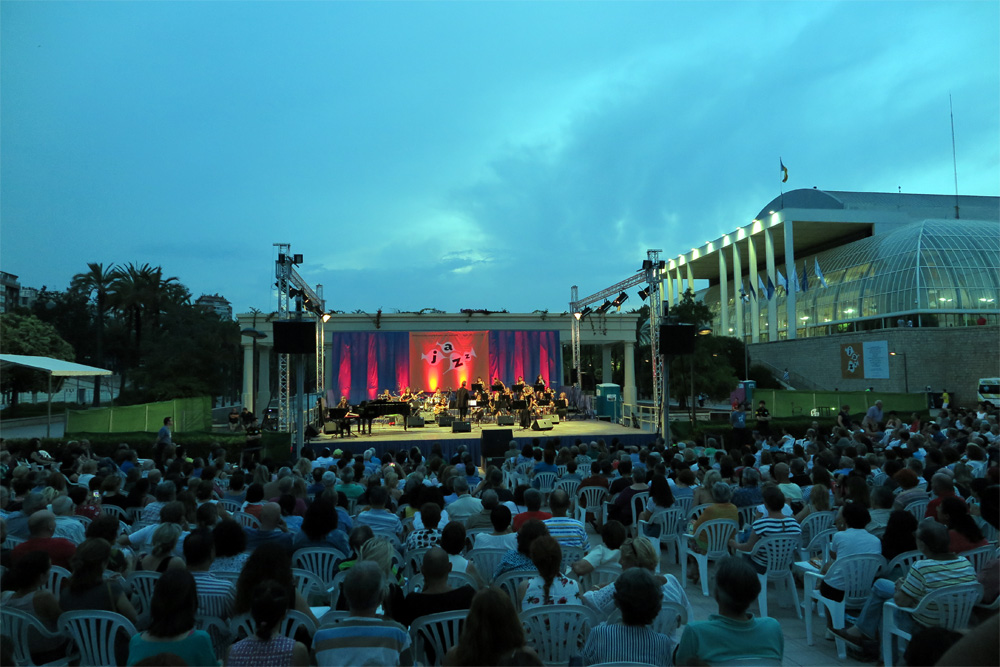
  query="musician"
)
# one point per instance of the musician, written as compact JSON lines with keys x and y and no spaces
{"x":497,"y":382}
{"x":462,"y":401}
{"x":385,"y":396}
{"x":540,"y":380}
{"x":345,"y":421}
{"x":343,"y":405}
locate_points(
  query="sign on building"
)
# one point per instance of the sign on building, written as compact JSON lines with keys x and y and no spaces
{"x":869,"y":361}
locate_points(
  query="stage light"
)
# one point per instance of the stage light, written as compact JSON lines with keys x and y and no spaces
{"x":586,"y":311}
{"x":619,"y":300}
{"x":647,"y":264}
{"x":643,"y":293}
{"x":325,"y":317}
{"x":577,"y":315}
{"x":604,"y":307}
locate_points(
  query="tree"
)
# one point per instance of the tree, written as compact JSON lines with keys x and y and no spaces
{"x":28,"y":335}
{"x":96,"y":283}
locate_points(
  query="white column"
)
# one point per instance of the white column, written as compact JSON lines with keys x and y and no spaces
{"x":606,"y":362}
{"x":737,"y":277}
{"x":669,"y":282}
{"x":753,"y":288}
{"x":264,"y":379}
{"x":789,"y":272}
{"x":690,"y":277}
{"x":628,"y":391}
{"x":247,"y":373}
{"x":772,"y":304}
{"x":723,"y":294}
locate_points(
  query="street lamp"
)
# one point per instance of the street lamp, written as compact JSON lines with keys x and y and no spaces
{"x":254,"y":335}
{"x":702,"y":331}
{"x":745,"y":298}
{"x":906,"y":375}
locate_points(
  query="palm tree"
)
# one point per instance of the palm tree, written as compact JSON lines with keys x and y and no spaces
{"x":96,"y":283}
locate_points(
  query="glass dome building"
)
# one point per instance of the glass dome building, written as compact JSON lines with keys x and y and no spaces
{"x":834,"y":262}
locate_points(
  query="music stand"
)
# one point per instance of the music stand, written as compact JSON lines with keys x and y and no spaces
{"x":477,"y":387}
{"x":539,"y":386}
{"x":519,"y":387}
{"x":497,"y":387}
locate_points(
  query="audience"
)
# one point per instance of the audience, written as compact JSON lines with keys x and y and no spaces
{"x":173,"y":610}
{"x":633,"y":640}
{"x":268,"y":608}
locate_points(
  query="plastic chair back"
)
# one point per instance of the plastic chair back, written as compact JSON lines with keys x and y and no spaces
{"x":717,"y":534}
{"x":486,"y":560}
{"x":601,"y":576}
{"x":918,"y":508}
{"x":570,"y":486}
{"x":684,"y":504}
{"x":560,"y":471}
{"x":246,"y":520}
{"x":590,"y":498}
{"x":859,"y":573}
{"x":780,"y":551}
{"x":509,"y":582}
{"x":438,"y":631}
{"x":816,"y":523}
{"x":114,"y":511}
{"x":558,"y":632}
{"x":952,"y":604}
{"x":697,"y":510}
{"x":902,"y":563}
{"x":979,"y":556}
{"x":545,"y":480}
{"x":230,"y":506}
{"x":307,"y":583}
{"x":16,"y":625}
{"x":321,"y":561}
{"x":639,"y":501}
{"x":143,"y":583}
{"x":570,"y":555}
{"x":746,"y":515}
{"x":57,"y":579}
{"x":244,"y":626}
{"x":94,"y":632}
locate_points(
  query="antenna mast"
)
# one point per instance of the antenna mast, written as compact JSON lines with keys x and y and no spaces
{"x":954,"y":159}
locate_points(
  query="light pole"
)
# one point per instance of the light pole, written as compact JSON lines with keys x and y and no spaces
{"x":745,"y":298}
{"x":702,"y":331}
{"x":906,"y":375}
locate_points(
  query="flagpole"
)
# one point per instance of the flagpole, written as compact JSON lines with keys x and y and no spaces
{"x":954,"y":158}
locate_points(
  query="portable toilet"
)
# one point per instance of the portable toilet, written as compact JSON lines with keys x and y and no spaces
{"x":608,"y":403}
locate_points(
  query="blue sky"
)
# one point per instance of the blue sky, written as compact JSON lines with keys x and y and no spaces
{"x":463,"y":154}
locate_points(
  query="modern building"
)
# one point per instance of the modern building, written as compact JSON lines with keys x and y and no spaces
{"x":10,"y":292}
{"x":835,"y":262}
{"x":217,"y":304}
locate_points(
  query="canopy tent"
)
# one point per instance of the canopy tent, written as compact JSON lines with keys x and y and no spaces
{"x":54,"y":368}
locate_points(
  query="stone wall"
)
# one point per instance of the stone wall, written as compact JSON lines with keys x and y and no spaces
{"x":944,"y":358}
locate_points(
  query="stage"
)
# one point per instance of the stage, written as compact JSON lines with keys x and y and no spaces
{"x":393,"y":437}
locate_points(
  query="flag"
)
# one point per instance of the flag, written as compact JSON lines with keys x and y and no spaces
{"x":753,"y":292}
{"x":770,"y":287}
{"x":784,"y":171}
{"x":793,"y":280}
{"x":805,"y":278}
{"x":783,"y":282}
{"x":819,"y":274}
{"x":763,"y":288}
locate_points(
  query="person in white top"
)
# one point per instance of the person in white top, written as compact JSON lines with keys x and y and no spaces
{"x":503,"y":536}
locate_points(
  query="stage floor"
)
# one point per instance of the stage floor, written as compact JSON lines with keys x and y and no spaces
{"x":566,"y":431}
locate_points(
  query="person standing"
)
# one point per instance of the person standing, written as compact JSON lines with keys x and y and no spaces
{"x":163,"y":437}
{"x":254,"y":442}
{"x":738,"y":420}
{"x":462,"y":401}
{"x":763,"y":416}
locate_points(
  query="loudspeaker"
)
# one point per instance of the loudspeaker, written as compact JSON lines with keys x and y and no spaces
{"x":677,"y":339}
{"x":330,"y":427}
{"x":459,"y":426}
{"x":291,"y":337}
{"x":311,"y":432}
{"x":493,"y":442}
{"x":414,"y":422}
{"x":505,"y":421}
{"x":541,"y":425}
{"x":554,"y":418}
{"x":445,"y":420}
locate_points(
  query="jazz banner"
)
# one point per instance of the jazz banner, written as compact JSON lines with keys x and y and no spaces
{"x":444,"y":359}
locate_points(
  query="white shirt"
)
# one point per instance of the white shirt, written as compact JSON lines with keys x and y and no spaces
{"x":849,"y":543}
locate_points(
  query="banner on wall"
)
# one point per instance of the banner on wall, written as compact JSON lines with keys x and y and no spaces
{"x":865,"y":360}
{"x":447,"y":358}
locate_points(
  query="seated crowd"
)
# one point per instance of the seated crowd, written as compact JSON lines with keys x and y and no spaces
{"x":235,"y":553}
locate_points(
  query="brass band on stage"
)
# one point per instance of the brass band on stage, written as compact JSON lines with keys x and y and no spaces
{"x":486,"y":403}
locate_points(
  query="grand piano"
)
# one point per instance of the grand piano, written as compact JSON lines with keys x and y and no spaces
{"x":366,"y":412}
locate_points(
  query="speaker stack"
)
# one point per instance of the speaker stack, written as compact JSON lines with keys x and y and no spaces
{"x":459,"y":426}
{"x":541,"y":425}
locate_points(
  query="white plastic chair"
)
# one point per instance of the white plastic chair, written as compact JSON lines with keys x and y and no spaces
{"x":601,"y":576}
{"x":746,"y":515}
{"x":414,"y":559}
{"x":697,"y":510}
{"x":558,"y":632}
{"x":672,"y":616}
{"x":308,"y":583}
{"x":820,"y":543}
{"x":321,"y":561}
{"x":918,"y":508}
{"x":231,"y":506}
{"x":57,"y":579}
{"x":560,"y":471}
{"x":332,"y":617}
{"x":639,"y":501}
{"x":900,"y":565}
{"x":953,"y":605}
{"x":246,"y":520}
{"x":335,"y":587}
{"x":672,"y":525}
{"x":989,"y":532}
{"x":115,"y":511}
{"x":16,"y":625}
{"x":717,"y":533}
{"x":570,"y":555}
{"x":979,"y":556}
{"x":570,"y":486}
{"x":243,"y":626}
{"x":546,"y":482}
{"x":684,"y":504}
{"x":143,"y":583}
{"x":94,"y":632}
{"x":814,"y":524}
{"x":592,"y":499}
{"x":509,"y":582}
{"x":436,"y":631}
{"x":219,"y":632}
{"x":780,"y":552}
{"x":859,"y":572}
{"x":486,"y":560}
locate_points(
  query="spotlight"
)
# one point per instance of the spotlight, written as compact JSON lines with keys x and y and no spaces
{"x":643,"y":293}
{"x":325,"y":317}
{"x":604,"y":307}
{"x":662,"y":264}
{"x":619,"y":300}
{"x":297,"y":258}
{"x":586,"y":311}
{"x":647,"y":264}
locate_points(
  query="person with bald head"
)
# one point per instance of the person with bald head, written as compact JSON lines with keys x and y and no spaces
{"x":272,"y":529}
{"x":437,"y":594}
{"x":17,"y":522}
{"x":42,"y":528}
{"x":567,"y":531}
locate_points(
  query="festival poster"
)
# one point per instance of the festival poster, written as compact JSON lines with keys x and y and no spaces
{"x":444,"y":359}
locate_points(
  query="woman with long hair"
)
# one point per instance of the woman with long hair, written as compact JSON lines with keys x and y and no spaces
{"x":549,"y":587}
{"x":661,"y":498}
{"x":963,"y":530}
{"x":173,"y":608}
{"x":161,"y":558}
{"x":819,"y":501}
{"x":268,"y":561}
{"x":269,"y":607}
{"x":492,"y":631}
{"x":898,"y":536}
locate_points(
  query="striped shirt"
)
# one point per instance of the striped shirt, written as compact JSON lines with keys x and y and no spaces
{"x":928,"y":575}
{"x":768,"y":527}
{"x":361,"y":641}
{"x":382,"y":522}
{"x":627,"y":643}
{"x":215,"y":595}
{"x":567,"y":532}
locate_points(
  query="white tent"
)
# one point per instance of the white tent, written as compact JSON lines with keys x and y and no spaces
{"x":54,"y":368}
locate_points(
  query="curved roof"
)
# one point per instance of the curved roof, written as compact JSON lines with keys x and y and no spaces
{"x":916,"y":206}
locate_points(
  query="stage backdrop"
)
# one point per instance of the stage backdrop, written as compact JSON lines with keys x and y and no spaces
{"x":365,"y":363}
{"x":447,"y":358}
